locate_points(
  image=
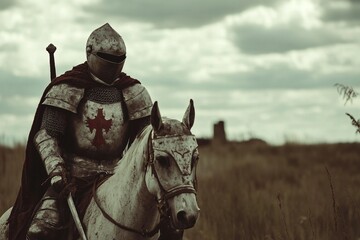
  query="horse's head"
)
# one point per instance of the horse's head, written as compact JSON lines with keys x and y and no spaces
{"x":171,"y":174}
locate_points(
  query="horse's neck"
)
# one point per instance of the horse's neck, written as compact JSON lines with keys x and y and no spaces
{"x":125,"y":193}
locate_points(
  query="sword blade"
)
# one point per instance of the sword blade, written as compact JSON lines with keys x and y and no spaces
{"x":75,"y":216}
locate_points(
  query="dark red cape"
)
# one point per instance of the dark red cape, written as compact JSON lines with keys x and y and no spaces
{"x":34,"y":175}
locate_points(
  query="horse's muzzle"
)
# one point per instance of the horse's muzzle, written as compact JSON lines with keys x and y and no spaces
{"x":184,"y":210}
{"x":186,"y":220}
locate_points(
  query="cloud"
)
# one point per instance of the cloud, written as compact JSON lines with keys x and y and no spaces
{"x":11,"y":85}
{"x":19,"y":97}
{"x":173,"y":14}
{"x":31,"y":26}
{"x":267,"y":69}
{"x":272,"y":114}
{"x":5,"y":4}
{"x":307,"y":69}
{"x":345,"y":11}
{"x":261,"y":89}
{"x":258,"y":39}
{"x":282,"y":77}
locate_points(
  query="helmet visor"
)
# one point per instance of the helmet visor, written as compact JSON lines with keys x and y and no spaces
{"x":111,"y":57}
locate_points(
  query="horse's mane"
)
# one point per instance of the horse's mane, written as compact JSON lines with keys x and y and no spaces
{"x":139,"y":144}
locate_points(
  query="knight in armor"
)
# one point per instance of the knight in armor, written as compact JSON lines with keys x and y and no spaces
{"x":85,"y":120}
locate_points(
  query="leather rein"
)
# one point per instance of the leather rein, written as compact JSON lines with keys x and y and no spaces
{"x":161,"y":203}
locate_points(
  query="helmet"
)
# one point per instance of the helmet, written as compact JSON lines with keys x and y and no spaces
{"x":105,"y":53}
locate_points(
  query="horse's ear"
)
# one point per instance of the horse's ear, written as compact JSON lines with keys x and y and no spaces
{"x":156,"y":120}
{"x":189,"y":116}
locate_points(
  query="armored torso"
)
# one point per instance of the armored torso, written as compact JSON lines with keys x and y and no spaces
{"x":97,"y":129}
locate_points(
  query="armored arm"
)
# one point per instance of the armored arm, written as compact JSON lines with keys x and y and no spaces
{"x":59,"y":102}
{"x":48,"y":143}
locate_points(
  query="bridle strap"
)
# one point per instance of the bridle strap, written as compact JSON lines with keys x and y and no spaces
{"x":178,"y":190}
{"x":167,"y":194}
{"x":144,"y":233}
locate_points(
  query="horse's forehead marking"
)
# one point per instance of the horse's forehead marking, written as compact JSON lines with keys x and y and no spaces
{"x":180,"y":147}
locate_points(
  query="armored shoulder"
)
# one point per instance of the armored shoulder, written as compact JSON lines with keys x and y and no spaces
{"x":64,"y":96}
{"x":138,"y":101}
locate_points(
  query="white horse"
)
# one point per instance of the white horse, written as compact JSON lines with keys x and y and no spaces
{"x":155,"y":178}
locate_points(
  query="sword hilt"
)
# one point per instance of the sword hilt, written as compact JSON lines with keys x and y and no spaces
{"x":51,"y":50}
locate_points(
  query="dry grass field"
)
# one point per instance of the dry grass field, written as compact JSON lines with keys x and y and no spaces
{"x":259,"y":192}
{"x":11,"y":160}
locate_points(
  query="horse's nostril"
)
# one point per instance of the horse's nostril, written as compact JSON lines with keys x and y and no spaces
{"x":181,"y":216}
{"x":185,"y":219}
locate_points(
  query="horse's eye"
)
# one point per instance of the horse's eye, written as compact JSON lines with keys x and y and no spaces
{"x":163,"y":161}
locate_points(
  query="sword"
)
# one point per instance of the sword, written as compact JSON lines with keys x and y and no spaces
{"x":51,"y":50}
{"x":75,"y":216}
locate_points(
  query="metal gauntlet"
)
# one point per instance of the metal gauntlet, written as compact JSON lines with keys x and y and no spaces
{"x":49,"y":151}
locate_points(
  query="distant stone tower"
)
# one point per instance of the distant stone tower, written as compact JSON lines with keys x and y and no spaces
{"x":219,"y":133}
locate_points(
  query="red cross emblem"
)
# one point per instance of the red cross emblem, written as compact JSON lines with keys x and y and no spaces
{"x":98,"y":124}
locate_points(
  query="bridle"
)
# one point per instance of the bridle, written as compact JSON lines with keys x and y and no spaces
{"x":165,"y":194}
{"x":162,"y":203}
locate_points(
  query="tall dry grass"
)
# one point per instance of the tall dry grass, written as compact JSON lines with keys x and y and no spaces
{"x":292,"y":192}
{"x":11,"y":161}
{"x":263,"y":192}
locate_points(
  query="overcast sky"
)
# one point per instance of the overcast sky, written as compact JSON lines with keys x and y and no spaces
{"x":265,"y":67}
